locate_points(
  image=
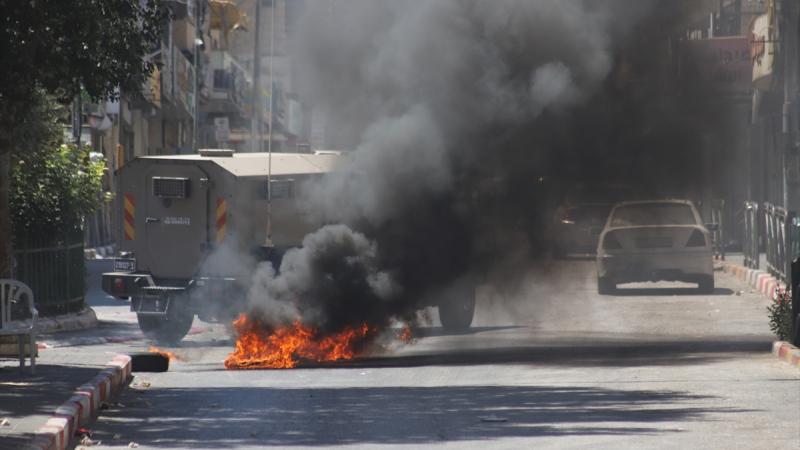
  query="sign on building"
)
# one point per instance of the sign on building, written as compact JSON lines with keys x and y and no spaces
{"x":222,"y":130}
{"x":723,"y":63}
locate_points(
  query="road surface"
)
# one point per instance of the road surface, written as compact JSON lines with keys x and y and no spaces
{"x":549,"y":364}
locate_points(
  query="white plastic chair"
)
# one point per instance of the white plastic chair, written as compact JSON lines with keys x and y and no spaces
{"x":13,"y":291}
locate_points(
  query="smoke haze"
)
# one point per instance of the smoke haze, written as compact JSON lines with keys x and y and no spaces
{"x":465,"y":119}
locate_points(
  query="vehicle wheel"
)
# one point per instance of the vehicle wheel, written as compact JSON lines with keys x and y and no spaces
{"x":457,"y":310}
{"x":605,"y":286}
{"x":559,"y":252}
{"x":706,"y":284}
{"x":166,"y":329}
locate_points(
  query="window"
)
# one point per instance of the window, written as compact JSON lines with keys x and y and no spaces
{"x":645,"y":214}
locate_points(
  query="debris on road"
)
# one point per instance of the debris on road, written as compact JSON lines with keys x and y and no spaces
{"x":4,"y":423}
{"x":86,"y":441}
{"x":133,"y":445}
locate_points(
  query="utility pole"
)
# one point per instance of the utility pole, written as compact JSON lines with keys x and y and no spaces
{"x":255,"y":124}
{"x":271,"y":121}
{"x":198,"y":41}
{"x":788,"y":39}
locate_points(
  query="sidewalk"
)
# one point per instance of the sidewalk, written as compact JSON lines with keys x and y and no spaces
{"x":67,"y":360}
{"x":73,"y":350}
{"x":761,"y":281}
{"x":27,"y":401}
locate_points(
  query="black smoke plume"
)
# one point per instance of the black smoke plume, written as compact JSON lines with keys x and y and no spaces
{"x":466,"y":120}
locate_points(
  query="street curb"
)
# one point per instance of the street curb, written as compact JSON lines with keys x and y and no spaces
{"x":766,"y":284}
{"x":786,"y":352}
{"x":82,"y":320}
{"x":759,"y":280}
{"x":58,"y":433}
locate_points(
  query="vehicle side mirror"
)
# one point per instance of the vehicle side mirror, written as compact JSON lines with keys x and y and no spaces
{"x":712,"y":226}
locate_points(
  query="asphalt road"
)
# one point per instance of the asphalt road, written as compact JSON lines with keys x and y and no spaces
{"x":549,"y":364}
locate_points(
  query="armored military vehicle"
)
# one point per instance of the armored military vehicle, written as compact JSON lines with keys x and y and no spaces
{"x":185,"y":222}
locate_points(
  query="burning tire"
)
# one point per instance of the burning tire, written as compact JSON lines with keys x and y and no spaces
{"x":166,"y":329}
{"x":149,"y":362}
{"x":457,"y":309}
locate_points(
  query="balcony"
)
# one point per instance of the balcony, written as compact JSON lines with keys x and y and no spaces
{"x":228,"y":83}
{"x":183,"y":34}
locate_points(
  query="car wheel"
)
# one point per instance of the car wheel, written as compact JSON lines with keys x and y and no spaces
{"x":457,"y":309}
{"x":166,"y":329}
{"x":605,"y":286}
{"x":706,"y":284}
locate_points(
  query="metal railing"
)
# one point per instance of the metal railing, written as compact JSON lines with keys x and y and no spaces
{"x":750,"y":247}
{"x":717,"y":234}
{"x":781,"y":233}
{"x":56,"y":274}
{"x":98,"y":228}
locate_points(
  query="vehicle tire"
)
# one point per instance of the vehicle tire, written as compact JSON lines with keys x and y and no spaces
{"x":706,"y":284}
{"x":559,"y":251}
{"x":605,"y":286}
{"x":456,"y":311}
{"x":167,"y":329}
{"x":149,"y":362}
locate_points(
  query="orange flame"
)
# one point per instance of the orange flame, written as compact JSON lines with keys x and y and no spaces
{"x":282,"y":348}
{"x":406,"y":335}
{"x":169,"y":355}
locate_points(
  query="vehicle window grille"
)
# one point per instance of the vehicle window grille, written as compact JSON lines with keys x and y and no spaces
{"x":170,"y":187}
{"x":281,"y":189}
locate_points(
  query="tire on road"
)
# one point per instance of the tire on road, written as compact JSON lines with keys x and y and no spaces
{"x":605,"y":286}
{"x":457,"y":308}
{"x":149,"y":362}
{"x":167,"y":329}
{"x":706,"y":284}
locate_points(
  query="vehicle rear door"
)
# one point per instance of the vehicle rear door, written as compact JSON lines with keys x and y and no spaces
{"x":176,"y":219}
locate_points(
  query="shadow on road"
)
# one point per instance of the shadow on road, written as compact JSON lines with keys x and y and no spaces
{"x":598,"y":354}
{"x":650,"y":292}
{"x":439,"y":331}
{"x":245,"y":416}
{"x":23,"y":394}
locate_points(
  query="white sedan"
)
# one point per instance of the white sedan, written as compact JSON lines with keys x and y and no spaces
{"x":654,"y":241}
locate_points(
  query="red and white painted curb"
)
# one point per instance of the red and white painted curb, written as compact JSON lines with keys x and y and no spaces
{"x":786,"y":352}
{"x":84,"y":405}
{"x":767,"y":285}
{"x":759,"y":280}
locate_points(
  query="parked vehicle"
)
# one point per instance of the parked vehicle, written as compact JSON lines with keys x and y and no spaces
{"x":581,"y":217}
{"x":653,"y":241}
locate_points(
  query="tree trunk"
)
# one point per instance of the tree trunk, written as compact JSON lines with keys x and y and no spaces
{"x":5,"y":215}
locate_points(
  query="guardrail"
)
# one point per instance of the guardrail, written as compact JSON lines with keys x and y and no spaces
{"x":750,"y":247}
{"x":782,"y":241}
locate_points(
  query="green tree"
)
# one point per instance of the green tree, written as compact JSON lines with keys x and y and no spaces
{"x":61,"y":47}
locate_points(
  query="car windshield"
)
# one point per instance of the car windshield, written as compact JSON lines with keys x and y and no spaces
{"x":653,"y":214}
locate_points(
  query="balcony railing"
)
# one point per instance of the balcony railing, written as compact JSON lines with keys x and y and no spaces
{"x":229,"y":83}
